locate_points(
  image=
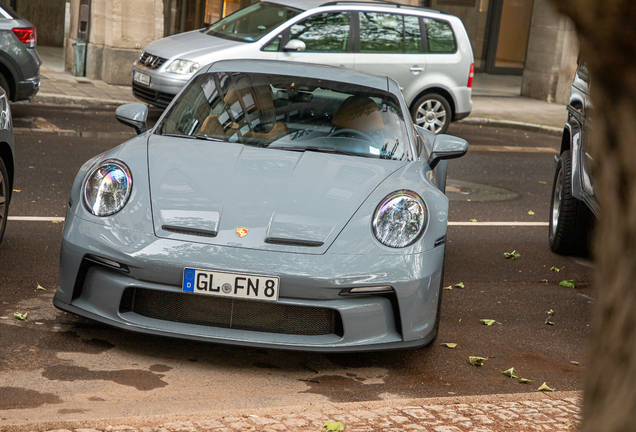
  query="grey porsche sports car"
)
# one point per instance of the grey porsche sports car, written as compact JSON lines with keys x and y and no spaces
{"x":273,"y":204}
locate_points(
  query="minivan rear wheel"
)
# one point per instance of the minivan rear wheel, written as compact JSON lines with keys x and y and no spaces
{"x":433,"y":112}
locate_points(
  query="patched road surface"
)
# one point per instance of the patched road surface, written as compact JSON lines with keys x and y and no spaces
{"x":55,"y":366}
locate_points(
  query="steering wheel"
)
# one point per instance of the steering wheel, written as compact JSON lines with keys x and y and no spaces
{"x":356,"y":133}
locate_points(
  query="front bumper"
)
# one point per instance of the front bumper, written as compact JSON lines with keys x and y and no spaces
{"x":403,"y":319}
{"x":163,"y":86}
{"x":26,"y":89}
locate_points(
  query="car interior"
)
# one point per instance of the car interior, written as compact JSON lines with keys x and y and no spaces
{"x":290,"y":113}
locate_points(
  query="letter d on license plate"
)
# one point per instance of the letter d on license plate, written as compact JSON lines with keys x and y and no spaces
{"x":223,"y":284}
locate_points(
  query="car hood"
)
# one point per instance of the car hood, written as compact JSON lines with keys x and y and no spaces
{"x":233,"y":195}
{"x":191,"y":45}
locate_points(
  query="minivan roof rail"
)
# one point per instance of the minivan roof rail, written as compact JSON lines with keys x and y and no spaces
{"x":379,"y":3}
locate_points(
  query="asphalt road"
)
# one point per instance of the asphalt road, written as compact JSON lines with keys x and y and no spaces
{"x":57,"y":366}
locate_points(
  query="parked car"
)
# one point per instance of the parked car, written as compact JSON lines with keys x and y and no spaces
{"x":7,"y":158}
{"x":273,"y":204}
{"x":573,"y":205}
{"x":427,"y":52}
{"x":19,"y":62}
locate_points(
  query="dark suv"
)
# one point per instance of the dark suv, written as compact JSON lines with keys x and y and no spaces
{"x":19,"y":62}
{"x":574,"y":205}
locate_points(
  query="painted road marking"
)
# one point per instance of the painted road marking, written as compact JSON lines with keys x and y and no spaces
{"x":501,"y":224}
{"x":513,"y":224}
{"x":476,"y":147}
{"x":36,"y":219}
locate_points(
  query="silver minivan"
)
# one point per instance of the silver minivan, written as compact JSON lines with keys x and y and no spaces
{"x":426,"y":51}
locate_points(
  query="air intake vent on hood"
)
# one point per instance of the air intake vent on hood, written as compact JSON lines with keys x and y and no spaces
{"x":292,"y":242}
{"x":189,"y":231}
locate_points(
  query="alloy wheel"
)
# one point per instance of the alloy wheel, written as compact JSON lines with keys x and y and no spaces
{"x":431,"y":115}
{"x":556,"y":201}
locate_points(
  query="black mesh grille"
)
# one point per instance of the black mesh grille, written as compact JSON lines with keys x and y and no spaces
{"x":232,"y":313}
{"x":151,"y":96}
{"x":151,"y":61}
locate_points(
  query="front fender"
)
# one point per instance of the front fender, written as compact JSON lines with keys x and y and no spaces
{"x":136,"y":215}
{"x":357,"y":237}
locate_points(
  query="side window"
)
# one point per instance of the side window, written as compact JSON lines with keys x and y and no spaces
{"x":412,"y":34}
{"x":381,"y":33}
{"x":325,"y":32}
{"x":273,"y":45}
{"x":440,"y":36}
{"x":583,"y":72}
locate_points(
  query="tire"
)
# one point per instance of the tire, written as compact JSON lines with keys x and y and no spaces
{"x":571,"y":221}
{"x":432,"y":112}
{"x":439,"y":311}
{"x":5,"y":195}
{"x":5,"y":85}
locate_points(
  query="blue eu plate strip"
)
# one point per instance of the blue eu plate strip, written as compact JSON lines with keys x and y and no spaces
{"x":188,"y":280}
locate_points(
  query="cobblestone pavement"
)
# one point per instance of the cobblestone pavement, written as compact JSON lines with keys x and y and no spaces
{"x":495,"y":413}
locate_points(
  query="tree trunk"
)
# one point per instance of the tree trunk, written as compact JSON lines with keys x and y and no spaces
{"x":607,"y":31}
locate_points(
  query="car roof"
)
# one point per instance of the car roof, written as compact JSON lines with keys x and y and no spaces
{"x":277,"y":67}
{"x":312,"y":4}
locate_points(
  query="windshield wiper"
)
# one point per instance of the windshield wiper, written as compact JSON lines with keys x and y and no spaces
{"x":201,"y":137}
{"x":323,"y":150}
{"x":208,"y":138}
{"x":177,"y":135}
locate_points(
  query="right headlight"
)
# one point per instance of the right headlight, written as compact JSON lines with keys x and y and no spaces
{"x":399,"y":219}
{"x":107,"y":188}
{"x":183,"y":67}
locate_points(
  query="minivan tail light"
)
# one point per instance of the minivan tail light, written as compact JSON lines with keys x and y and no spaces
{"x":27,"y":35}
{"x":471,"y":75}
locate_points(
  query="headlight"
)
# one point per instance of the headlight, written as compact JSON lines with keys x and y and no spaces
{"x":107,"y":188}
{"x":399,"y":219}
{"x":183,"y":67}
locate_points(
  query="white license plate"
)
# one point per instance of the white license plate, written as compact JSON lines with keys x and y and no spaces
{"x":141,"y":78}
{"x":223,"y":284}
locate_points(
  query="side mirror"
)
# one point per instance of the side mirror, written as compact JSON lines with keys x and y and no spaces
{"x":295,"y":45}
{"x":133,"y":115}
{"x":446,"y":147}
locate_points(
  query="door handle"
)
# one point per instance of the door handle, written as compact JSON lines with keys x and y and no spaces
{"x":416,"y":69}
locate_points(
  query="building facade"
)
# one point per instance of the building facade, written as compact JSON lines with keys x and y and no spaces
{"x":516,"y":37}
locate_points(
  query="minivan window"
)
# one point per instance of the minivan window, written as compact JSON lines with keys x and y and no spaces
{"x":253,"y":22}
{"x":440,"y":36}
{"x":412,"y":34}
{"x":389,"y":33}
{"x":381,"y":33}
{"x":325,"y":32}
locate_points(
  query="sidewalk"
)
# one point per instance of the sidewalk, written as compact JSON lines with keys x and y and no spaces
{"x":536,"y":411}
{"x":60,"y":87}
{"x":496,"y":100}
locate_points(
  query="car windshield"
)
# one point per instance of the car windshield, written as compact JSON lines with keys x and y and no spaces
{"x":290,"y":113}
{"x":253,"y":22}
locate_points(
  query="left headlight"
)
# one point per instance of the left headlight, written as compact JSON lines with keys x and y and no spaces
{"x":399,"y":219}
{"x":107,"y":188}
{"x":183,"y":67}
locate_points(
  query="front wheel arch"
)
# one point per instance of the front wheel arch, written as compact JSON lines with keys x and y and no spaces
{"x":440,"y":91}
{"x":438,"y":94}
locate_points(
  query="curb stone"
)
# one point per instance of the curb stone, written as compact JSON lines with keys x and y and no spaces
{"x":536,"y":411}
{"x":57,"y":99}
{"x":531,"y":127}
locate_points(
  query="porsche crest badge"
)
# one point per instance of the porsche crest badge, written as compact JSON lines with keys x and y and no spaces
{"x":242,"y":232}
